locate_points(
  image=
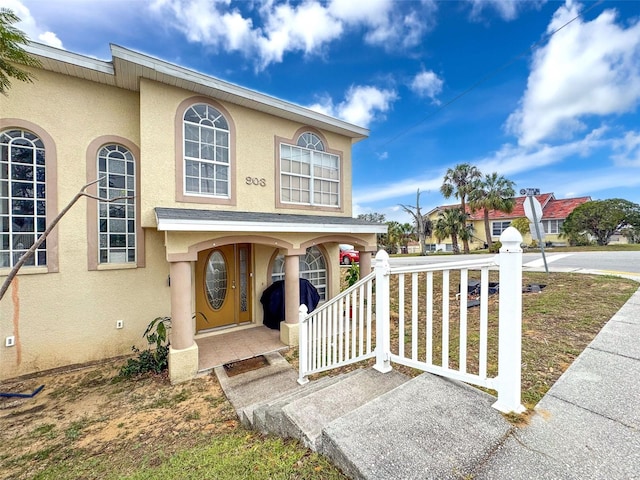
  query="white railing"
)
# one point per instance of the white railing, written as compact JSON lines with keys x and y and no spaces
{"x":339,"y":332}
{"x":422,"y":324}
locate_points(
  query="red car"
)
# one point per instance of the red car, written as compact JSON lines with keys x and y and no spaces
{"x":348,"y":255}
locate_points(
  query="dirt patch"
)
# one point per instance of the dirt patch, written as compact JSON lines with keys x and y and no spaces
{"x":86,"y":412}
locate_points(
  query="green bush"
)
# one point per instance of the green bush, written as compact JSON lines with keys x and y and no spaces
{"x":495,"y":247}
{"x":156,"y":360}
{"x":353,"y":275}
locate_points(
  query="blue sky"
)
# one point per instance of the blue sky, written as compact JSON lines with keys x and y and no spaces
{"x":562,"y":116}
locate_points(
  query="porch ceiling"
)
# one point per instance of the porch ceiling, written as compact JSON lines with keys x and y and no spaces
{"x":190,"y":220}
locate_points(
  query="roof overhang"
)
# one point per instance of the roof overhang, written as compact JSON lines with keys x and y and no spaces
{"x":128,"y":67}
{"x":188,"y":220}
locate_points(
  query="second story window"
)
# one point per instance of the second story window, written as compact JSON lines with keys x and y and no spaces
{"x":117,"y":220}
{"x":308,"y":174}
{"x":206,"y":152}
{"x":22,"y":197}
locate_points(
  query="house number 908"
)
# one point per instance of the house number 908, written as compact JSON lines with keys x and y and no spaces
{"x":256,"y":181}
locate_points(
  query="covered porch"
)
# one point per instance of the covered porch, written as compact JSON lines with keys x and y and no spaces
{"x":232,"y":346}
{"x":221,"y":262}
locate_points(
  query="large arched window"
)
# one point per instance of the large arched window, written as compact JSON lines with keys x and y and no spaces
{"x":309,"y":175}
{"x":22,"y":197}
{"x":206,"y":152}
{"x":117,"y":220}
{"x":313,"y":267}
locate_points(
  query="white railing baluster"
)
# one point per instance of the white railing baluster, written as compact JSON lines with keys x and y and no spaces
{"x":354,"y":320}
{"x":369,"y":314}
{"x":303,"y":366}
{"x":464,"y":290}
{"x":445,"y":319}
{"x":401,"y":315}
{"x":361,"y":321}
{"x":484,"y":321}
{"x":429,"y":333}
{"x":347,"y":326}
{"x":414,"y":316}
{"x":334,"y":333}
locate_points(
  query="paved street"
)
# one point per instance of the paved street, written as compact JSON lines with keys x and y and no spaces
{"x":617,"y":263}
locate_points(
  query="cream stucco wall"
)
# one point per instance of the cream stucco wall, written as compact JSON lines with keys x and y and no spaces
{"x":254,"y":154}
{"x":70,"y":317}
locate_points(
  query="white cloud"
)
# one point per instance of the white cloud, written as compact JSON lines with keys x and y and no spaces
{"x":427,"y":84}
{"x":587,"y":68}
{"x":29,"y":26}
{"x":306,"y":27}
{"x":361,"y":106}
{"x":202,"y":21}
{"x":278,"y":27}
{"x":629,"y":150}
{"x":507,"y":9}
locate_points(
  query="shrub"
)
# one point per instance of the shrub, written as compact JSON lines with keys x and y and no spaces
{"x":353,"y":275}
{"x":156,"y":360}
{"x":495,"y":247}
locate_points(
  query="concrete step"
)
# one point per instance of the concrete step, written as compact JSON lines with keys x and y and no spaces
{"x":429,"y":427}
{"x":304,"y":418}
{"x":250,"y":388}
{"x":269,"y":417}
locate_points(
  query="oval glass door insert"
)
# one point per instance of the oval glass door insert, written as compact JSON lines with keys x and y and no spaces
{"x":216,"y":280}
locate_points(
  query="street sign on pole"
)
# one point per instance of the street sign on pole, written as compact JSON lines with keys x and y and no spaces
{"x":533,"y":211}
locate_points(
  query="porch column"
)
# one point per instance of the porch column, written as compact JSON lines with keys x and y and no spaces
{"x":289,"y":328}
{"x":183,"y":352}
{"x":365,"y":263}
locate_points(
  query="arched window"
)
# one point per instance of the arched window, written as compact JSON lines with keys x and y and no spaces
{"x":206,"y":152}
{"x":117,"y":220}
{"x":22,"y":197}
{"x":311,"y":141}
{"x":313,"y":267}
{"x":308,"y":174}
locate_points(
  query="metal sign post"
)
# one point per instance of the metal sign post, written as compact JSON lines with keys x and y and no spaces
{"x":534,"y":210}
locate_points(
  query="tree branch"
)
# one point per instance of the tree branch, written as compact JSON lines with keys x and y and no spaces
{"x":29,"y":253}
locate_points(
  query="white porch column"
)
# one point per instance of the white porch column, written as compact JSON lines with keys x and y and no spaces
{"x":183,"y":352}
{"x":289,"y":328}
{"x":365,"y":263}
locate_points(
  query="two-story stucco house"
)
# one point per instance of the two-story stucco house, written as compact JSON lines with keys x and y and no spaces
{"x":229,"y":189}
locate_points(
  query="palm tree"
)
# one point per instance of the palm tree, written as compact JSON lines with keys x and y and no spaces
{"x":394,"y":236}
{"x":451,"y":223}
{"x":494,"y":192}
{"x":11,"y":52}
{"x":460,"y":181}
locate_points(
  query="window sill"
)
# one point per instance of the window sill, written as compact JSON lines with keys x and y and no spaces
{"x":4,"y":272}
{"x":116,"y":266}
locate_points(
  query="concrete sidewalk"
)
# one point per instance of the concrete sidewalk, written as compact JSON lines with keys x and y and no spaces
{"x":588,"y":425}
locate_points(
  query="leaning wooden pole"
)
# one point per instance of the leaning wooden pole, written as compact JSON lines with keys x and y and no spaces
{"x":23,"y":259}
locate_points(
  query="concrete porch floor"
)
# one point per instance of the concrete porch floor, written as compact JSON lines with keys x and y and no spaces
{"x":219,"y":349}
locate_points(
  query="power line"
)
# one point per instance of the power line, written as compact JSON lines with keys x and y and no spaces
{"x":491,"y":74}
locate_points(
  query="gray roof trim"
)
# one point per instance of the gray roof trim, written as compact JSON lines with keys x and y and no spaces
{"x":189,"y":220}
{"x":128,"y":66}
{"x":165,"y":72}
{"x":65,"y":56}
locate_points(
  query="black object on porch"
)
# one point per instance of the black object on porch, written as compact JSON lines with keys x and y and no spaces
{"x":272,"y":300}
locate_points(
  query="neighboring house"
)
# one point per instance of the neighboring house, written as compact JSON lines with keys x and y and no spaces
{"x":554,"y":212}
{"x":230,"y":190}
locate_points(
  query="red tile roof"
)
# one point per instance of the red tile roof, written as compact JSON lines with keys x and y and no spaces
{"x":551,"y":208}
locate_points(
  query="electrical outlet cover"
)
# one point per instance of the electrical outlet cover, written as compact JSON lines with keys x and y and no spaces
{"x":10,"y":341}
